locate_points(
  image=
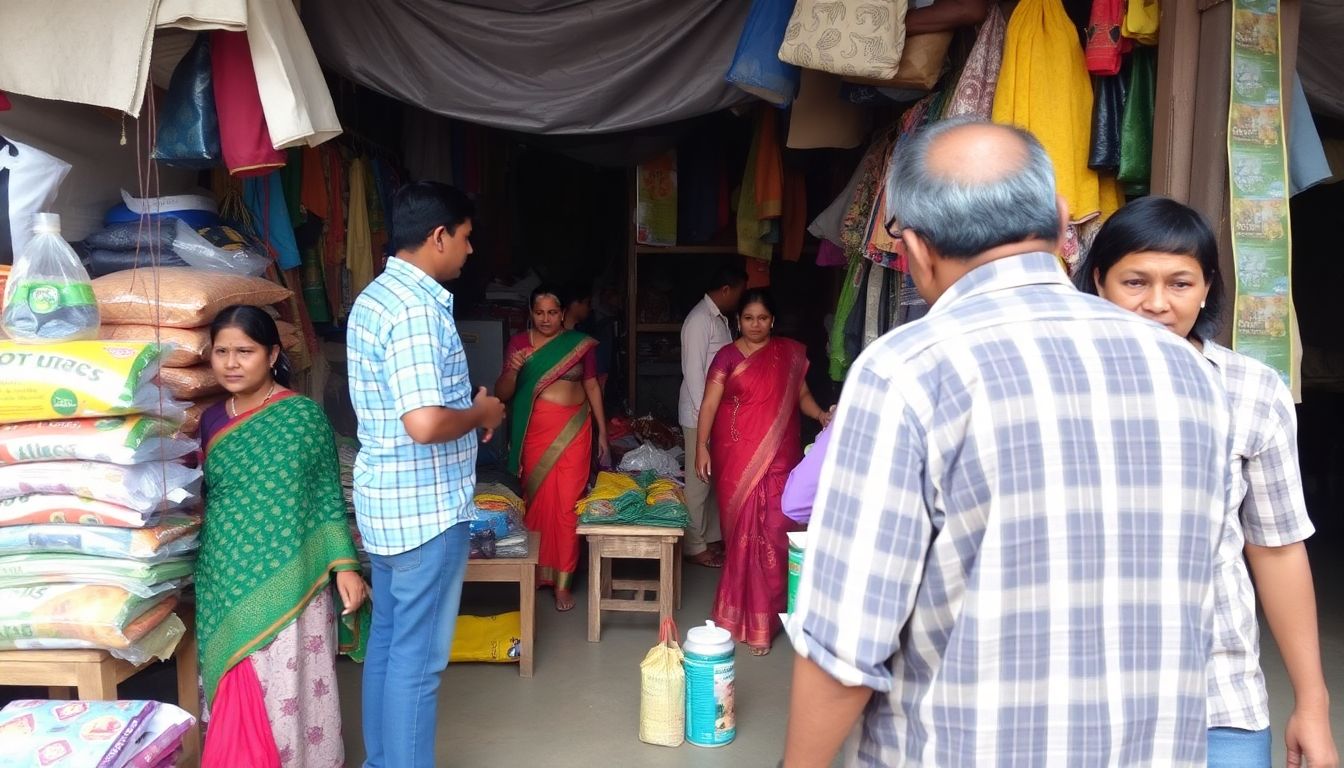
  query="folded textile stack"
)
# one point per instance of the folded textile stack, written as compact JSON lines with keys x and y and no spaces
{"x":498,"y":529}
{"x":169,"y":242}
{"x":99,"y":517}
{"x":79,"y":734}
{"x":626,"y":499}
{"x":175,"y":306}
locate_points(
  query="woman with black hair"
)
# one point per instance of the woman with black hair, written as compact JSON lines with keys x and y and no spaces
{"x":275,"y":539}
{"x":749,"y":441}
{"x":1159,"y":259}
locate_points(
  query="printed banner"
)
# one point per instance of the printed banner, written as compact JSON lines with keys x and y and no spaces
{"x":1258,"y":166}
{"x":656,"y":206}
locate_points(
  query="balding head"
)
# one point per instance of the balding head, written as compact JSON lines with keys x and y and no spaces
{"x":968,"y":186}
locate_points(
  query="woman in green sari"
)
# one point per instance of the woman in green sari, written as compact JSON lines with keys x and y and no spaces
{"x":550,"y":374}
{"x":275,"y":539}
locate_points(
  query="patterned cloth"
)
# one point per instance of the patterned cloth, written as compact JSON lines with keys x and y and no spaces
{"x":974,"y":94}
{"x":404,"y":354}
{"x":1265,"y":508}
{"x":1013,"y":542}
{"x":297,"y":672}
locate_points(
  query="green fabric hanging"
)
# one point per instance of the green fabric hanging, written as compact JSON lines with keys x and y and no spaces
{"x":1136,"y":128}
{"x":849,"y":296}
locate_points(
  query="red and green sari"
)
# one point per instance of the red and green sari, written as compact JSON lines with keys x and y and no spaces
{"x":550,"y":449}
{"x":275,"y":529}
{"x":754,"y":444}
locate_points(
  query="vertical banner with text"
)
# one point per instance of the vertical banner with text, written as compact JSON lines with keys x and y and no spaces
{"x":1258,"y":167}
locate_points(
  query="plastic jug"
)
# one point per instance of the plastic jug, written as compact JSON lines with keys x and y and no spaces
{"x":708,"y":661}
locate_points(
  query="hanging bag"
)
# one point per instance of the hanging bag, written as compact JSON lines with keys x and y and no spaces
{"x":662,"y":698}
{"x":189,"y":129}
{"x":850,"y":38}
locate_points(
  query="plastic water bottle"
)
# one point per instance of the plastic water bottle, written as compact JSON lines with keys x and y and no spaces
{"x":710,"y":719}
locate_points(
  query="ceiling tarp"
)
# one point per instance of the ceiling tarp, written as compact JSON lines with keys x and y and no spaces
{"x":1320,"y":57}
{"x":539,"y":66}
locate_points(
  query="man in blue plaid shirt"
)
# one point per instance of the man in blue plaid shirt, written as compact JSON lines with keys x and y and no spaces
{"x":416,"y":470}
{"x":1010,"y":555}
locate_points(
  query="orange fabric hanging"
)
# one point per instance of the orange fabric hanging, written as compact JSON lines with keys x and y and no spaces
{"x":769,"y":166}
{"x":313,"y":185}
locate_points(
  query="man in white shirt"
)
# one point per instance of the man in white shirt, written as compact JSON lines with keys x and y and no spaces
{"x":705,"y":331}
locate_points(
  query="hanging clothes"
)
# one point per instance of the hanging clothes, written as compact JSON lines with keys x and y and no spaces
{"x":1105,"y":45}
{"x":769,"y":166}
{"x":1044,"y":88}
{"x":313,"y":184}
{"x":1108,"y":110}
{"x":830,"y":255}
{"x":291,"y":181}
{"x":245,"y":140}
{"x":974,"y":94}
{"x":358,"y":237}
{"x":793,"y":221}
{"x":753,"y":230}
{"x":333,"y":252}
{"x":265,"y":199}
{"x":378,"y":236}
{"x":1136,"y":129}
{"x":1141,"y":21}
{"x":758,"y":273}
{"x":854,"y":224}
{"x":839,"y":362}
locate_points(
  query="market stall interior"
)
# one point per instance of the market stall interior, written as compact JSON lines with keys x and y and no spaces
{"x":252,"y":159}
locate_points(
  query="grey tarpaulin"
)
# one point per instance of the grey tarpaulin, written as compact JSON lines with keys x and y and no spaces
{"x":539,"y":66}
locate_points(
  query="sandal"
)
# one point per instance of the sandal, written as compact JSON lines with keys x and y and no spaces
{"x":564,"y":600}
{"x":758,"y":650}
{"x":708,"y":559}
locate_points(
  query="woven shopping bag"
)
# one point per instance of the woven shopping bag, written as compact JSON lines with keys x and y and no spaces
{"x":662,"y":698}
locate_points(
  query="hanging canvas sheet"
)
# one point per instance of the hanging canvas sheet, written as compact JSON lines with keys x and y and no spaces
{"x":1258,"y":167}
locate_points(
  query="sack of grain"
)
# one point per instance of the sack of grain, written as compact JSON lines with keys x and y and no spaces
{"x":178,"y":297}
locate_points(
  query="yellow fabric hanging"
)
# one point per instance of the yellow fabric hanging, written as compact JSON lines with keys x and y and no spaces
{"x":1044,"y":88}
{"x":358,"y":238}
{"x":1140,"y":21}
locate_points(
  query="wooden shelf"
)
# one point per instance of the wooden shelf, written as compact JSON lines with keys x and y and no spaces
{"x":722,"y":250}
{"x":658,"y":328}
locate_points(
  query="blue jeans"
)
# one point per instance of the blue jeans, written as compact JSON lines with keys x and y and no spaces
{"x":415,"y":600}
{"x":1237,"y":748}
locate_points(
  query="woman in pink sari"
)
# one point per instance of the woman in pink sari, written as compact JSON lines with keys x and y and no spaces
{"x":749,"y":441}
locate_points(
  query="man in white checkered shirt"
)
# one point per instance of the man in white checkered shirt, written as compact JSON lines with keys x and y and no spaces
{"x":1010,"y":556}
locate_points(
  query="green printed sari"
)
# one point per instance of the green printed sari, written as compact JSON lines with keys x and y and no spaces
{"x":275,"y":530}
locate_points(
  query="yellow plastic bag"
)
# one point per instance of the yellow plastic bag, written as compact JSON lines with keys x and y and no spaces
{"x":662,"y":697}
{"x":488,"y":638}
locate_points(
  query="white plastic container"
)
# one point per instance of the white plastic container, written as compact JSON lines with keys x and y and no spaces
{"x":708,"y":661}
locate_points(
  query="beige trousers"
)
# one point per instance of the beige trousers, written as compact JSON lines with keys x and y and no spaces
{"x":701,"y":503}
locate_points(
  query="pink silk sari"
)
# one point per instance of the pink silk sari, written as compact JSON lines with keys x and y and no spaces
{"x":753,"y":446}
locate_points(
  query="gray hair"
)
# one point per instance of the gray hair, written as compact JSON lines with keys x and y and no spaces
{"x":963,"y":218}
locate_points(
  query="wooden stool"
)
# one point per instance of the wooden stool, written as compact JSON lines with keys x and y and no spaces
{"x":522,"y":570}
{"x":94,"y":675}
{"x":645,"y":542}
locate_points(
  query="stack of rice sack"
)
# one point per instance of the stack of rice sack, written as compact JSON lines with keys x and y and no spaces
{"x":175,"y":305}
{"x":80,"y":734}
{"x":98,"y":515}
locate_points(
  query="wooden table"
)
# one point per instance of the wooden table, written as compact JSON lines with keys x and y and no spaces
{"x":95,"y":674}
{"x":645,"y":542}
{"x":524,"y":571}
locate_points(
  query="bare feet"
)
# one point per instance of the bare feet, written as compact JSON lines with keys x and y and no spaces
{"x":758,"y":650}
{"x":564,"y":600}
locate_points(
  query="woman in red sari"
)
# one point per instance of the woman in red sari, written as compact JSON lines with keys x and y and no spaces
{"x":749,"y":441}
{"x":550,"y":374}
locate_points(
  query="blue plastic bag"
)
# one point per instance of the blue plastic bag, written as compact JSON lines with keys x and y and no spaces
{"x":756,"y":67}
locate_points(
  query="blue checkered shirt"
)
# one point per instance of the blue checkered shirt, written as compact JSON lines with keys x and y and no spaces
{"x":1266,"y":508}
{"x":1014,"y":533}
{"x":404,"y":353}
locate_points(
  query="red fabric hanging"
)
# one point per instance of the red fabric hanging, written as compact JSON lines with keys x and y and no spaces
{"x":243,"y":136}
{"x":1105,"y":46}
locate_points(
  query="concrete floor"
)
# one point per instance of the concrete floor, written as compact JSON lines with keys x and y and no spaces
{"x":582,"y":707}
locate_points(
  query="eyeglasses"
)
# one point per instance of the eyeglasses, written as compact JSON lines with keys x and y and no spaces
{"x":895,"y":233}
